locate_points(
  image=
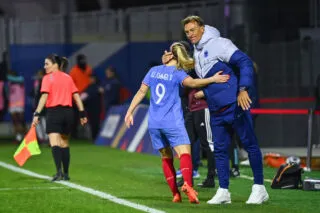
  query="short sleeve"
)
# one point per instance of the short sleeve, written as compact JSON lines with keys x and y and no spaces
{"x":46,"y":84}
{"x":74,"y":89}
{"x":147,"y":79}
{"x":181,"y":75}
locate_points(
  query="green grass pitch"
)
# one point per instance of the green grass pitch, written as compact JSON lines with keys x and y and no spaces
{"x":134,"y":177}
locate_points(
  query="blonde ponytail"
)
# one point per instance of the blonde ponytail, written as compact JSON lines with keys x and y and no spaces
{"x":185,"y":62}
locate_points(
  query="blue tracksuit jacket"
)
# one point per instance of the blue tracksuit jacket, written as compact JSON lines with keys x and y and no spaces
{"x":214,"y":53}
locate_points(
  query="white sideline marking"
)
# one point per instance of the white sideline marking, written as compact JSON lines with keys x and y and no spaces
{"x":84,"y":189}
{"x":251,"y":178}
{"x":31,"y":188}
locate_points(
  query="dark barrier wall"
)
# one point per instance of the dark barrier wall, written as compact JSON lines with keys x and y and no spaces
{"x":285,"y":130}
{"x":131,"y":62}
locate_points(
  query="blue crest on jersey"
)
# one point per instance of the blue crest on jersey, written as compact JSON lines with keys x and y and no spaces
{"x":206,"y":53}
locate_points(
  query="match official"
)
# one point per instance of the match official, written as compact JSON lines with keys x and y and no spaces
{"x":57,"y":90}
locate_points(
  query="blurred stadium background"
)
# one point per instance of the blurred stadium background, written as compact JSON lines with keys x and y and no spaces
{"x":282,"y":37}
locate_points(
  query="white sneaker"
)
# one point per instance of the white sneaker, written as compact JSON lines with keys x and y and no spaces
{"x":245,"y":163}
{"x":258,"y":195}
{"x":222,"y":196}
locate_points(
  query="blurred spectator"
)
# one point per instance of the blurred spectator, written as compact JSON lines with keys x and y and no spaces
{"x":91,"y":98}
{"x":111,"y":88}
{"x":80,"y":74}
{"x":35,"y":93}
{"x":4,"y":66}
{"x":42,"y":136}
{"x":17,"y":104}
{"x":3,"y":79}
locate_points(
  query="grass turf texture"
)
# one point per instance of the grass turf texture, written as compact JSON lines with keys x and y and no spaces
{"x":135,"y":177}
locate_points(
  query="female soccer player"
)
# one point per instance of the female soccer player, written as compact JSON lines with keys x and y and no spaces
{"x":166,"y":123}
{"x":57,"y":90}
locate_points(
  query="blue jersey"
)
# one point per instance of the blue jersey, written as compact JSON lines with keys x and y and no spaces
{"x":165,"y":109}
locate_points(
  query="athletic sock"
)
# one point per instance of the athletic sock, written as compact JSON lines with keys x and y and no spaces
{"x":186,"y":168}
{"x":65,"y":159}
{"x":170,"y":174}
{"x":57,"y":157}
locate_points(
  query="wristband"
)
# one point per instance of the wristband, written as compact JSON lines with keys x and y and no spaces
{"x":82,"y":114}
{"x":242,"y":88}
{"x":36,"y":114}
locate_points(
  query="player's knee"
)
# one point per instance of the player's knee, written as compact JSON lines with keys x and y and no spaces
{"x":54,"y":142}
{"x":166,"y":153}
{"x":183,"y":149}
{"x":54,"y":139}
{"x":64,"y":141}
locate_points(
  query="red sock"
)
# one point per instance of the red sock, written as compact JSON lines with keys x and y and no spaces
{"x":170,"y":174}
{"x":186,"y":168}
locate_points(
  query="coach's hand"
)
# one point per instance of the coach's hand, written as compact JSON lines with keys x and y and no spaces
{"x":244,"y":100}
{"x":35,"y":121}
{"x":83,"y":121}
{"x":129,"y":120}
{"x":166,"y":57}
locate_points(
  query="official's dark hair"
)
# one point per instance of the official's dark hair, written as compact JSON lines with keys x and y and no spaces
{"x":62,"y":62}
